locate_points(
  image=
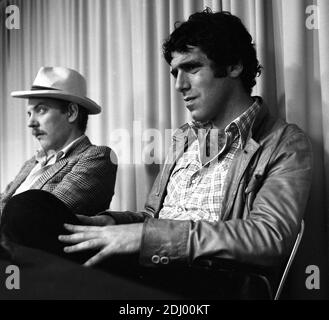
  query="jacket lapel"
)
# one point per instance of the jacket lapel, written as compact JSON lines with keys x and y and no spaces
{"x":49,"y":173}
{"x":234,"y":175}
{"x":55,"y":168}
{"x":242,"y":161}
{"x":182,"y":138}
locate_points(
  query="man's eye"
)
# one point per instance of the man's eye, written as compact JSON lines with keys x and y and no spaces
{"x":42,"y":109}
{"x":192,"y":69}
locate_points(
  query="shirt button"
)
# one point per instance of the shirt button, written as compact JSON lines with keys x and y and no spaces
{"x":155,"y":259}
{"x":164,"y":260}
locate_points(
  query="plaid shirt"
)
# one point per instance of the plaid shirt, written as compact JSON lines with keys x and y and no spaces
{"x":195,"y":189}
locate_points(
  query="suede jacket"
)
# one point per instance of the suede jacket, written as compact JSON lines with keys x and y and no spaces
{"x":265,"y":195}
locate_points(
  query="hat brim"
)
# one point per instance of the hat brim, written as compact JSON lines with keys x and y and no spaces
{"x":91,"y":106}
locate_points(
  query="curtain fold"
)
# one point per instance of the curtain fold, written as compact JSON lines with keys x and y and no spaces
{"x":116,"y":45}
{"x":323,"y":80}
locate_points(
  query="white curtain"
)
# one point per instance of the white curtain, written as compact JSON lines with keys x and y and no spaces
{"x":116,"y":45}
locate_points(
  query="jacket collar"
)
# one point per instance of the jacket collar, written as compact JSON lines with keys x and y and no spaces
{"x":43,"y":157}
{"x":184,"y":132}
{"x":81,"y":146}
{"x":262,"y":115}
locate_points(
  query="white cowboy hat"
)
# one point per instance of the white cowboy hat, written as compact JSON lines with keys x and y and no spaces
{"x":60,"y":83}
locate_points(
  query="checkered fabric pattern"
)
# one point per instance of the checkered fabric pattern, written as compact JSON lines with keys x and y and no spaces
{"x":84,"y":180}
{"x":195,"y":189}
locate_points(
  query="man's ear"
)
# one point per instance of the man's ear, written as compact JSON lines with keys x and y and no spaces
{"x":72,"y":111}
{"x":235,"y":71}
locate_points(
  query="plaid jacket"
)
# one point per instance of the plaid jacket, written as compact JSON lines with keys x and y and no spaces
{"x":84,"y":179}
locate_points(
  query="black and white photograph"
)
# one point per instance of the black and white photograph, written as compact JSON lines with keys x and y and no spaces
{"x":164,"y":154}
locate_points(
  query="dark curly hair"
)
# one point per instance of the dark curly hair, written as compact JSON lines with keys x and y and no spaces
{"x":222,"y":37}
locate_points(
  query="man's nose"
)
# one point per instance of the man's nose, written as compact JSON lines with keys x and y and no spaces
{"x":182,"y":82}
{"x":32,"y":121}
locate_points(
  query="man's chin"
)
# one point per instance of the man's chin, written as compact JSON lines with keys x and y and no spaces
{"x":198,"y":118}
{"x":45,"y":147}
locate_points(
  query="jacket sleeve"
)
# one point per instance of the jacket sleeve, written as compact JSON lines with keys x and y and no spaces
{"x":125,"y":217}
{"x":2,"y":197}
{"x":262,"y":237}
{"x":14,"y":184}
{"x":89,"y":186}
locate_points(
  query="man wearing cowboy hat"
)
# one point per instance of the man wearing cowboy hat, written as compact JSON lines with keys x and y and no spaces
{"x":67,"y":167}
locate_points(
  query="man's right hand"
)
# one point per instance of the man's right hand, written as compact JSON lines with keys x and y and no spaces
{"x":101,"y":220}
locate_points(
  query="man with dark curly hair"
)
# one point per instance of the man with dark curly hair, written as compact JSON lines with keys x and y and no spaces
{"x":236,"y":180}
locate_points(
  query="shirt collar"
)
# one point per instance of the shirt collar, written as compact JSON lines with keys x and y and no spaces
{"x":52,"y":156}
{"x":239,"y":128}
{"x":242,"y":125}
{"x":70,"y":146}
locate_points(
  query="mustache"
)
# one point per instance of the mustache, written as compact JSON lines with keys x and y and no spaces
{"x":36,"y":132}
